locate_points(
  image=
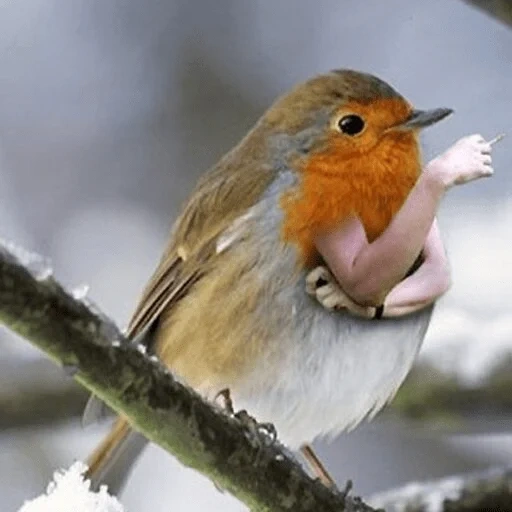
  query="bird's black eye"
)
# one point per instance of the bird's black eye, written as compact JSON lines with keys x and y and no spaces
{"x":351,"y":124}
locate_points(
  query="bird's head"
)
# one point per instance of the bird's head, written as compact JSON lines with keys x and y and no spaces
{"x":346,"y":112}
{"x":353,"y":141}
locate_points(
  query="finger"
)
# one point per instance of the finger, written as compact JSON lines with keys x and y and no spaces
{"x":324,"y":291}
{"x":310,"y":286}
{"x":486,"y":159}
{"x":484,"y":171}
{"x":314,"y":276}
{"x":333,"y":297}
{"x":485,"y":148}
{"x":330,"y":302}
{"x":310,"y":290}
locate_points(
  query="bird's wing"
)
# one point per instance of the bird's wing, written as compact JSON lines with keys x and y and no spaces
{"x":172,"y":280}
{"x":223,"y":196}
{"x":166,"y":285}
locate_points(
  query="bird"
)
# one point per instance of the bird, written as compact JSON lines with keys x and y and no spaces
{"x":228,"y":306}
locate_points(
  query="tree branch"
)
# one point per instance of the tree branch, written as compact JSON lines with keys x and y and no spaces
{"x":489,"y":491}
{"x":201,"y":436}
{"x":499,"y":9}
{"x":259,"y":473}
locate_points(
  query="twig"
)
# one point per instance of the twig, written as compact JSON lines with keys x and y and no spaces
{"x":259,"y":473}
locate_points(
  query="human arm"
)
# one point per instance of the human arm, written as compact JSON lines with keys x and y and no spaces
{"x":368,"y":272}
{"x":420,"y":289}
{"x":426,"y":285}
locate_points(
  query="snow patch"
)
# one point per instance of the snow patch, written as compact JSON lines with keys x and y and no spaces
{"x":80,"y":292}
{"x":70,"y":492}
{"x":429,"y":496}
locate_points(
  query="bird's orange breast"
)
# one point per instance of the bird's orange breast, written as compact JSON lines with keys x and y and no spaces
{"x":372,"y":185}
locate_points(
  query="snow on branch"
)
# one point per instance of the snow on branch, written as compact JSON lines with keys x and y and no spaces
{"x":89,"y":346}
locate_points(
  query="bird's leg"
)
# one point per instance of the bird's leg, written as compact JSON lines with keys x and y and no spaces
{"x":317,"y":466}
{"x":320,"y":471}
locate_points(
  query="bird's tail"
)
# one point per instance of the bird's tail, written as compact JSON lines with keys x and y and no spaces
{"x":113,"y":459}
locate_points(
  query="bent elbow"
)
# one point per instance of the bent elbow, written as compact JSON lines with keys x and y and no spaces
{"x":445,"y":281}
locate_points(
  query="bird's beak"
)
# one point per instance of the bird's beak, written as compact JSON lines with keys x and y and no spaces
{"x":422,"y":118}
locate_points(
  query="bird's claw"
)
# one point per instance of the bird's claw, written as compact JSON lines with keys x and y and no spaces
{"x":262,"y":433}
{"x":227,"y":404}
{"x":258,"y":431}
{"x":348,"y":487}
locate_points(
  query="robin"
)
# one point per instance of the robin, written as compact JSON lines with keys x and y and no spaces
{"x":317,"y":224}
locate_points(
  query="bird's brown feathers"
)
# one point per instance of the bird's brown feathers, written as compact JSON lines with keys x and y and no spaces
{"x":221,"y":196}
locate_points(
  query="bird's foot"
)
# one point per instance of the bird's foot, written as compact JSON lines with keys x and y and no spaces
{"x":263,"y":433}
{"x":260,"y":433}
{"x":227,"y":404}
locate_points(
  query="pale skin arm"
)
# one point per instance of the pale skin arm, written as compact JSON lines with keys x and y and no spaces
{"x":369,"y":273}
{"x":426,"y":285}
{"x":415,"y":292}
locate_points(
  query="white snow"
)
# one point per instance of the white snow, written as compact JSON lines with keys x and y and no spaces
{"x":429,"y":495}
{"x":38,"y":266}
{"x":70,"y":492}
{"x":80,"y":292}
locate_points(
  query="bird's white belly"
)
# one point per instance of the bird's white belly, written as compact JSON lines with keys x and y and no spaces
{"x":332,"y":370}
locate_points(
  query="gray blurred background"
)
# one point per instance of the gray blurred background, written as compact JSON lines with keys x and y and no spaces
{"x":110,"y":110}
